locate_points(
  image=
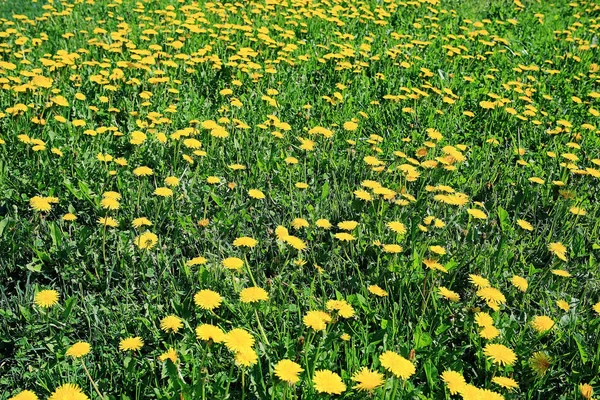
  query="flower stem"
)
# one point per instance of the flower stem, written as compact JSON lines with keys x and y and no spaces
{"x":91,"y":380}
{"x":262,"y":331}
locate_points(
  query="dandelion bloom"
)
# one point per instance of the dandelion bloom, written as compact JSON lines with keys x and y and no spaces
{"x":246,"y":357}
{"x":68,"y":391}
{"x":110,"y":203}
{"x":559,"y":250}
{"x":344,"y":309}
{"x":142,"y":171}
{"x":586,"y":390}
{"x":207,"y":299}
{"x":256,"y":194}
{"x":316,"y":320}
{"x":507,"y":383}
{"x":596,"y":307}
{"x":171,"y":323}
{"x":397,"y":227}
{"x":328,"y":382}
{"x":454,"y":381}
{"x":146,"y":240}
{"x":347,"y":225}
{"x":448,"y":294}
{"x":542,"y":323}
{"x":288,"y":371}
{"x":344,"y":237}
{"x":367,"y":380}
{"x":139,"y":222}
{"x":163,"y":192}
{"x":323,"y":223}
{"x":38,"y":203}
{"x":253,"y":295}
{"x":397,"y":365}
{"x":299,"y":223}
{"x":520,"y":283}
{"x":479,"y":281}
{"x":524,"y":225}
{"x":69,"y":217}
{"x":170,"y":354}
{"x":209,"y":332}
{"x":561,"y":272}
{"x":245,"y":241}
{"x":540,"y":362}
{"x":563,"y":305}
{"x":295,"y":242}
{"x":477,"y":213}
{"x":46,"y":298}
{"x":24,"y":395}
{"x":171,"y":181}
{"x":238,"y":339}
{"x":78,"y":349}
{"x":232,"y":263}
{"x":196,"y":261}
{"x":492,"y":296}
{"x":500,"y":354}
{"x":483,"y":319}
{"x":108,"y":221}
{"x":489,"y":332}
{"x":131,"y":343}
{"x":392,"y":248}
{"x":377,"y":291}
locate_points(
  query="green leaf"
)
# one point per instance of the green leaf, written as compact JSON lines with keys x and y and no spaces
{"x":504,"y":221}
{"x":421,"y":339}
{"x":582,"y":353}
{"x":68,"y":307}
{"x":55,"y":234}
{"x":3,"y":224}
{"x":325,"y":191}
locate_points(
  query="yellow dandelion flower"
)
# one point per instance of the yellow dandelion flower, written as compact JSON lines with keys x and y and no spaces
{"x":559,"y":250}
{"x":170,"y":354}
{"x":524,"y":225}
{"x":540,"y":362}
{"x":507,"y":383}
{"x":171,"y":323}
{"x":46,"y":298}
{"x":329,"y":382}
{"x":207,"y":299}
{"x":520,"y":283}
{"x":209,"y":332}
{"x":288,"y":371}
{"x":542,"y":323}
{"x":24,"y":395}
{"x":448,"y":294}
{"x":454,"y":381}
{"x":397,"y":365}
{"x":78,"y":349}
{"x":316,"y":320}
{"x":256,"y":194}
{"x":238,"y":339}
{"x":245,"y":241}
{"x":246,"y":357}
{"x":233,"y":263}
{"x":68,"y":391}
{"x":131,"y":343}
{"x":367,"y":380}
{"x":253,"y":295}
{"x":377,"y":291}
{"x":499,"y":354}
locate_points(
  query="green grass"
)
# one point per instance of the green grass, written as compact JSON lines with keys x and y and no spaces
{"x":420,"y":54}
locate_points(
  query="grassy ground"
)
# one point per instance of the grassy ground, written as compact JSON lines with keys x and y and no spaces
{"x":431,"y":167}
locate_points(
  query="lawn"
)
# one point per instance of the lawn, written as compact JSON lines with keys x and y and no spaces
{"x":299,"y":199}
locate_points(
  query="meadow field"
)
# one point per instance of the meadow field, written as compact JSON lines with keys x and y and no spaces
{"x":299,"y":199}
